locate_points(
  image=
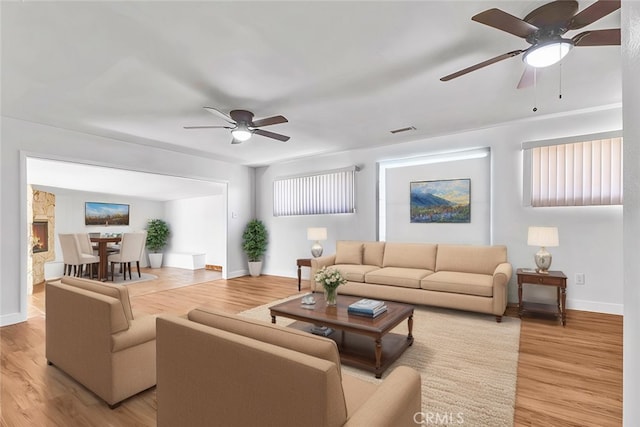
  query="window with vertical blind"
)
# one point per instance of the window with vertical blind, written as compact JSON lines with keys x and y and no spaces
{"x":581,"y":171}
{"x":331,"y":192}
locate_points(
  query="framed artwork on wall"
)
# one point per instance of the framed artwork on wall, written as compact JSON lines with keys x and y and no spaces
{"x":96,"y":213}
{"x":443,"y":201}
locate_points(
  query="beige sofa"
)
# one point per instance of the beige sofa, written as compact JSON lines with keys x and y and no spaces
{"x":464,"y":277}
{"x":222,"y":369}
{"x":91,"y":335}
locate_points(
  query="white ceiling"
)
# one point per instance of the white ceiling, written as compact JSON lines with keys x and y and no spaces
{"x":343,"y":73}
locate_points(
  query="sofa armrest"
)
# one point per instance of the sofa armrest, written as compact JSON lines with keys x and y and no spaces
{"x":396,"y":402}
{"x":501,"y":277}
{"x":502,"y":274}
{"x":317,"y":264}
{"x":140,"y":331}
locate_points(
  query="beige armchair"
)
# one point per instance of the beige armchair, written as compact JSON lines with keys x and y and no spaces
{"x":91,"y":335}
{"x":221,"y":369}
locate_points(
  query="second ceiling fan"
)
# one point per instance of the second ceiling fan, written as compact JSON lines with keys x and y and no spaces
{"x":243,"y":126}
{"x":543,"y":28}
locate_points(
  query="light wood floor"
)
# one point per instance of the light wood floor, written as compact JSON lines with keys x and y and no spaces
{"x":568,"y":376}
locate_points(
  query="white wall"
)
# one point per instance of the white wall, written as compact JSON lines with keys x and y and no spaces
{"x":199,"y":225}
{"x":631,"y":103}
{"x":20,"y":139}
{"x":590,"y":237}
{"x":398,"y":225}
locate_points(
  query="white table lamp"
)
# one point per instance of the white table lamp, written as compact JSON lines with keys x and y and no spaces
{"x":545,"y":237}
{"x":316,"y":234}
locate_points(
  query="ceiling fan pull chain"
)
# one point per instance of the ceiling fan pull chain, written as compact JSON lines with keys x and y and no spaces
{"x":535,"y":90}
{"x":560,"y":89}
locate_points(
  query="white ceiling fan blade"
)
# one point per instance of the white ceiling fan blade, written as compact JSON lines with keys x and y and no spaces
{"x":220,"y":114}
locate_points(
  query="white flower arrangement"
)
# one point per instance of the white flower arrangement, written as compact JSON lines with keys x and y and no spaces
{"x":330,"y":278}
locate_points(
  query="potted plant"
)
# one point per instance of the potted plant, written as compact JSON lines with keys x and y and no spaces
{"x":157,"y":236}
{"x":254,"y":244}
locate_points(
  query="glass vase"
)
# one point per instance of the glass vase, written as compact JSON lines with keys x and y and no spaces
{"x":331,"y":296}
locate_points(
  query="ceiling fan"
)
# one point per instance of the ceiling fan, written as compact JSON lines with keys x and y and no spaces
{"x":543,"y":28}
{"x":243,"y":125}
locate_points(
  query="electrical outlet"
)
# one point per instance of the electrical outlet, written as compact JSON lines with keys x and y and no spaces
{"x":579,"y":278}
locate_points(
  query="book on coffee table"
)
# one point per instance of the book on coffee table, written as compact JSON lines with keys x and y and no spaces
{"x":367,"y":307}
{"x":321,"y":330}
{"x":366,"y":304}
{"x":375,"y":313}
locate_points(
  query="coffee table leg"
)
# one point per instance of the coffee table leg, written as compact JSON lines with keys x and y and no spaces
{"x":410,"y":325}
{"x":378,"y":357}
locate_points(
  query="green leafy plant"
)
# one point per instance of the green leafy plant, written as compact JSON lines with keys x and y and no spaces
{"x":157,"y":235}
{"x":254,"y":240}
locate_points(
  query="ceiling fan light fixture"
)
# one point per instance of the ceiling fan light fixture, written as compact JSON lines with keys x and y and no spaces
{"x":241,"y":133}
{"x":547,"y":53}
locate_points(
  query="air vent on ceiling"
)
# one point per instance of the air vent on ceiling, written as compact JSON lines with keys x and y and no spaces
{"x":403,"y":129}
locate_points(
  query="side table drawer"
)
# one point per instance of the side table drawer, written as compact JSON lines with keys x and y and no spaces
{"x":551,"y":281}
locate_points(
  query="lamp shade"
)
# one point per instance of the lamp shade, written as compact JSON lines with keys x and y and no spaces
{"x":316,"y":233}
{"x":545,"y":54}
{"x":543,"y":236}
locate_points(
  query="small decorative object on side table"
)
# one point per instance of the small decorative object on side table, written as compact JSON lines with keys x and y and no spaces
{"x":551,"y":278}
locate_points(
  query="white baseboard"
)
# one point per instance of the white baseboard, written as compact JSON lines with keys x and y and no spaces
{"x":12,"y":319}
{"x":237,"y":273}
{"x":595,"y":306}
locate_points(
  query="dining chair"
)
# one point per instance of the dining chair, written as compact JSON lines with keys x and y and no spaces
{"x":92,"y":235}
{"x":84,"y":240}
{"x":143,"y":246}
{"x":73,"y":257}
{"x":131,"y":247}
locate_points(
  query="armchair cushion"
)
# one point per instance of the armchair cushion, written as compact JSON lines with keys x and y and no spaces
{"x":140,"y":331}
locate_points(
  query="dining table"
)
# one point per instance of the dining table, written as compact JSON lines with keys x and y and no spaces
{"x":103,"y":254}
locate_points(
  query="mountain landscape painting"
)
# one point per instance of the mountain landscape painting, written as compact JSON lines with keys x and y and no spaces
{"x":441,"y":201}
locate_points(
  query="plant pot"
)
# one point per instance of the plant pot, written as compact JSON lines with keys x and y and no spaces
{"x":155,"y":260}
{"x":255,"y":267}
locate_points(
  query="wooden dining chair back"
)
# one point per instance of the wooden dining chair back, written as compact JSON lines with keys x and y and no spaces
{"x":131,"y":247}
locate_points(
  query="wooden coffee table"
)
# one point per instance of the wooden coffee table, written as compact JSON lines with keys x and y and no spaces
{"x":363,"y":342}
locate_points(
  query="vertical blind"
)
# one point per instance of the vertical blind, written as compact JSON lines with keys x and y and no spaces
{"x":325,"y":193}
{"x":577,"y":174}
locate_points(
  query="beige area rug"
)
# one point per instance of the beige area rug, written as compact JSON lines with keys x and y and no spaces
{"x":118,"y":279}
{"x":468,"y":363}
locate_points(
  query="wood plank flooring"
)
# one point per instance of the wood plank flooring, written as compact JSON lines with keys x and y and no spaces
{"x":568,"y":376}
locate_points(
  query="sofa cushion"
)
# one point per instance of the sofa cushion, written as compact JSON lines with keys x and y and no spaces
{"x":373,"y":253}
{"x":470,"y":258}
{"x":348,"y":252}
{"x":281,"y":336}
{"x":459,"y":283}
{"x":118,"y":292}
{"x":410,"y":255}
{"x":355,"y":273}
{"x":395,"y":276}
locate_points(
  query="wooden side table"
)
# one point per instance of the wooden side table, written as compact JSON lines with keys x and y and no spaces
{"x":553,"y":278}
{"x":302,"y":262}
